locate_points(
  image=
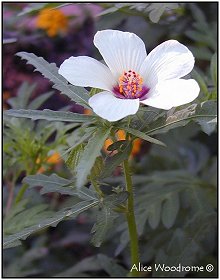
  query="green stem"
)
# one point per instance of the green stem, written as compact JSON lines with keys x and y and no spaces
{"x":21,"y":193}
{"x":131,"y":221}
{"x":25,"y":186}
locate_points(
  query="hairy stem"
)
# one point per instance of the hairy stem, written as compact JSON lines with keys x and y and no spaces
{"x":131,"y":221}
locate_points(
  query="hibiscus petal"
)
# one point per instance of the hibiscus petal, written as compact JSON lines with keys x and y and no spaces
{"x":87,"y":72}
{"x":172,"y":93}
{"x":107,"y":106}
{"x":122,"y":51}
{"x":169,"y":60}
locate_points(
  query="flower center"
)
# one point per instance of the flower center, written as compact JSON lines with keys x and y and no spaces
{"x":130,"y":86}
{"x":130,"y":83}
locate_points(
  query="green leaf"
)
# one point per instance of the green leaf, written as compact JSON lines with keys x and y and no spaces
{"x":21,"y":264}
{"x":154,"y":214}
{"x":86,"y":264}
{"x":111,"y":267}
{"x":153,"y":10}
{"x":157,"y":10}
{"x":38,"y":101}
{"x":108,"y":11}
{"x":171,"y":120}
{"x":89,"y":155}
{"x":94,"y":263}
{"x":180,"y":250}
{"x":81,"y":138}
{"x":97,"y":168}
{"x":213,"y":69}
{"x":118,"y":145}
{"x":51,"y":221}
{"x":26,"y":218}
{"x":104,"y":222}
{"x":32,"y":8}
{"x":106,"y":217}
{"x":207,"y":109}
{"x":142,"y":135}
{"x":50,"y":71}
{"x":196,"y":75}
{"x":94,"y":91}
{"x":185,"y":244}
{"x":170,"y":210}
{"x":16,"y":209}
{"x":9,"y":41}
{"x":23,"y":96}
{"x":74,"y":156}
{"x":12,"y":244}
{"x":116,"y":160}
{"x":159,"y":190}
{"x":54,"y":183}
{"x":201,"y":113}
{"x":49,"y":115}
{"x":203,"y":53}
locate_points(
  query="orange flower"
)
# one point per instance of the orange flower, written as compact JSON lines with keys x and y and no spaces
{"x":6,"y":96}
{"x":120,"y":135}
{"x":87,"y":112}
{"x":53,"y":159}
{"x":136,"y":147}
{"x":52,"y":21}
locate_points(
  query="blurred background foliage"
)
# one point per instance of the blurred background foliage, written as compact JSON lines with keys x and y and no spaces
{"x":175,"y":187}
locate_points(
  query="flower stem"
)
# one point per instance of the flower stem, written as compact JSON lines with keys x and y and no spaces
{"x":131,"y":221}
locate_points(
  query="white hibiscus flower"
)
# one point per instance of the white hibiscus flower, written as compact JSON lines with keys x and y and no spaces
{"x":131,"y":76}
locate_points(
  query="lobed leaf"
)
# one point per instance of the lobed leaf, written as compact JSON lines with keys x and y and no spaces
{"x":170,"y":210}
{"x":153,"y":10}
{"x":104,"y":222}
{"x":185,"y":244}
{"x":106,"y":217}
{"x":49,"y":115}
{"x":50,"y":221}
{"x":50,"y":71}
{"x":200,"y":113}
{"x":54,"y":183}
